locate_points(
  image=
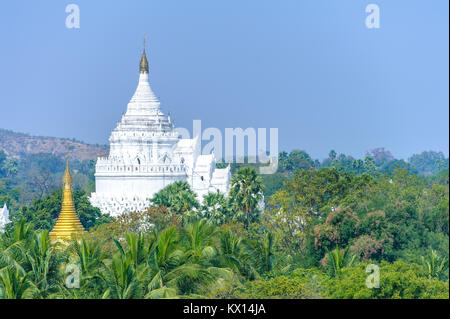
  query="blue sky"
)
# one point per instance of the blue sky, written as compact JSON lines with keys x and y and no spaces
{"x":310,"y":68}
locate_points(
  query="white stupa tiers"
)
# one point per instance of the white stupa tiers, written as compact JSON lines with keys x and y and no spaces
{"x":4,"y":217}
{"x":146,"y":155}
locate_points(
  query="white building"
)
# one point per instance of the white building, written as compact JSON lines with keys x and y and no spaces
{"x":4,"y":217}
{"x":147,"y":154}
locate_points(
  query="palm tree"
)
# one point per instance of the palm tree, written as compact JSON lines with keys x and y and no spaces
{"x":120,"y":278}
{"x":178,"y":196}
{"x":260,"y":257}
{"x":162,"y":293}
{"x":239,"y":255}
{"x":164,"y":256}
{"x":40,"y":258}
{"x":196,"y":270}
{"x":216,"y":208}
{"x":434,"y":265}
{"x":246,"y":191}
{"x":15,"y":284}
{"x":184,"y":201}
{"x":89,"y":256}
{"x":21,"y":231}
{"x":336,"y":260}
{"x":262,"y":253}
{"x":230,"y":251}
{"x":267,"y":252}
{"x":20,"y":236}
{"x":153,"y":261}
{"x":32,"y":255}
{"x":139,"y":247}
{"x":198,"y":239}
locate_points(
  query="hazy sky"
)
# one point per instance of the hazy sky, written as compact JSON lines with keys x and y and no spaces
{"x":310,"y":68}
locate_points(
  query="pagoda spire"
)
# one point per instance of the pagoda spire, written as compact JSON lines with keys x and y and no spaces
{"x":143,"y":65}
{"x":67,"y":177}
{"x":68,"y":222}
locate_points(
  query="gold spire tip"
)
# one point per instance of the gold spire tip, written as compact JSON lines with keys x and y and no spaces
{"x":143,"y":66}
{"x":67,"y":178}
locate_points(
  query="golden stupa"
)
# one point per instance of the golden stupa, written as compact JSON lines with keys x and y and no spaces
{"x":68,"y":222}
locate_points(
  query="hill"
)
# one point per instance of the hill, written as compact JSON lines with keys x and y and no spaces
{"x":16,"y":145}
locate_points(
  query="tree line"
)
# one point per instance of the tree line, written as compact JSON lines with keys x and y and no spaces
{"x":315,"y":236}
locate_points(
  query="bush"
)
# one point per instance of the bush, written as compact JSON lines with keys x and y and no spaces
{"x":399,"y":280}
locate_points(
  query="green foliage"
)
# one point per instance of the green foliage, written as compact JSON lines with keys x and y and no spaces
{"x":320,"y":221}
{"x":281,"y":287}
{"x":178,"y":197}
{"x":273,"y":182}
{"x":8,"y":166}
{"x":434,"y":265}
{"x":217,"y":208}
{"x":30,"y":263}
{"x":15,"y":285}
{"x":339,"y":228}
{"x":428,"y":163}
{"x":43,"y":212}
{"x":296,"y":160}
{"x":391,"y":216}
{"x":336,"y":260}
{"x":38,"y":175}
{"x":399,"y":280}
{"x":196,"y":260}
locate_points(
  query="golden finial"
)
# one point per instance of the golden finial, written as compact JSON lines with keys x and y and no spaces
{"x":143,"y":66}
{"x":67,"y":178}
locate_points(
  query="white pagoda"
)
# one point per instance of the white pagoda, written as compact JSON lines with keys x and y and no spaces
{"x":147,"y":154}
{"x":4,"y":217}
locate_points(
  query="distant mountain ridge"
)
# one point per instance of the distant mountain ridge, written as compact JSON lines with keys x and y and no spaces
{"x":17,"y":145}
